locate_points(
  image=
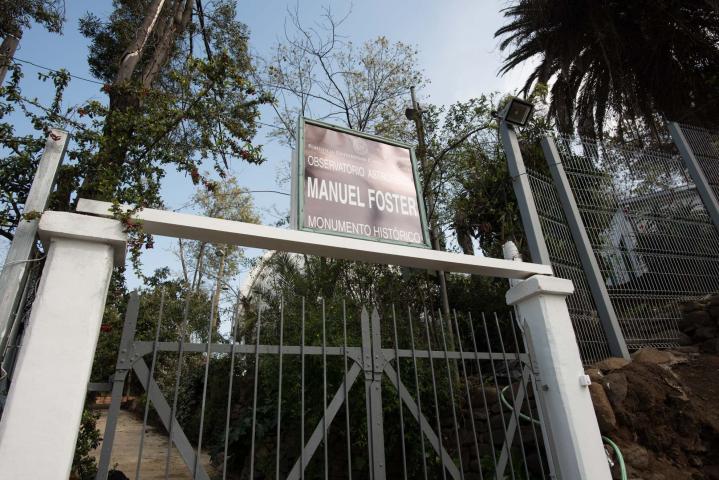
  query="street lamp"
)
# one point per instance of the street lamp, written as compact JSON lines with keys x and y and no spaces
{"x":516,"y":112}
{"x":409,"y":112}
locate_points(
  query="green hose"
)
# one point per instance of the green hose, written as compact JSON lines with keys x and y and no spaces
{"x":620,"y":458}
{"x":607,"y":440}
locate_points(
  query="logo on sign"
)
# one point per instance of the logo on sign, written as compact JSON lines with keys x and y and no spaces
{"x":359,"y":146}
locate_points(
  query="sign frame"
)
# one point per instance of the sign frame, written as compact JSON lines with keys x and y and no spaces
{"x":298,"y":184}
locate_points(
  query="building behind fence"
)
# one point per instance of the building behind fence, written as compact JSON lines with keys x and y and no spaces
{"x":647,"y":219}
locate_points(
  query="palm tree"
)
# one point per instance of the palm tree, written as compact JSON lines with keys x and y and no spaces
{"x":628,"y":61}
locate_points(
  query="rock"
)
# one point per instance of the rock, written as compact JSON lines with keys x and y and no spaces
{"x":654,"y":356}
{"x":495,"y":421}
{"x":632,"y":474}
{"x":616,"y":386}
{"x":594,"y":373}
{"x":466,"y":437}
{"x":669,"y":335}
{"x":611,"y":363}
{"x":490,"y":393}
{"x":689,"y":307}
{"x":695,"y":319}
{"x":480,"y":415}
{"x":709,"y":346}
{"x":714,"y":311}
{"x":636,"y":456}
{"x":534,"y":463}
{"x":684,"y":339}
{"x":116,"y":475}
{"x":705,"y":333}
{"x":605,"y":414}
{"x":688,"y":349}
{"x":711,"y":472}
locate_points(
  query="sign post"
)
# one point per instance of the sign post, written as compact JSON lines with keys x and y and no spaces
{"x":356,"y":185}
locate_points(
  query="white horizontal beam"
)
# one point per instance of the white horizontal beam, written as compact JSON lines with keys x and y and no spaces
{"x":215,"y":230}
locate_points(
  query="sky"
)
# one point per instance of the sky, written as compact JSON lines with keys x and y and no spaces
{"x":456,"y":47}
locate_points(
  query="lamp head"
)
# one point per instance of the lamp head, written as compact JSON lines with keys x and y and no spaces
{"x":517,"y":112}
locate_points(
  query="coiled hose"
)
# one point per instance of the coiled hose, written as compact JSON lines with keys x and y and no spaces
{"x":607,"y":440}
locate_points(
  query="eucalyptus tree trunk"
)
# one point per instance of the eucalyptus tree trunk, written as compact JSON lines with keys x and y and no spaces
{"x":7,"y":52}
{"x":164,"y":22}
{"x":134,"y":51}
{"x":218,"y":288}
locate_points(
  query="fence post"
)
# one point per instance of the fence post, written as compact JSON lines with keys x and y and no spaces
{"x":572,"y":423}
{"x":39,"y":425}
{"x":605,"y":309}
{"x":696,"y":172}
{"x":16,"y":267}
{"x":523,"y":192}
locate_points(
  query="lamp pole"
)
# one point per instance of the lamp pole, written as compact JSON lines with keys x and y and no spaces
{"x":429,"y":197}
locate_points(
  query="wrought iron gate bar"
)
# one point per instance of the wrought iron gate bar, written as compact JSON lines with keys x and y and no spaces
{"x":204,"y":387}
{"x":150,"y":375}
{"x":316,"y":437}
{"x":517,"y":406}
{"x":302,"y":410}
{"x":144,"y":347}
{"x":401,"y":410}
{"x":324,"y":387}
{"x":235,"y":323}
{"x":178,"y":372}
{"x":451,"y":392}
{"x":254,"y":395}
{"x":163,"y":410}
{"x":529,"y":404}
{"x":279,"y":390}
{"x":347,"y":410}
{"x":469,"y":397}
{"x":419,"y":417}
{"x":444,"y":458}
{"x":500,"y":467}
{"x":484,"y":394}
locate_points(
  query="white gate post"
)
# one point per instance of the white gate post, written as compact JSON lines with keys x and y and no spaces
{"x":570,"y":418}
{"x":39,"y":426}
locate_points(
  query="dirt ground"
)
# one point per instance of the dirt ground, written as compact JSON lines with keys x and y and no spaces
{"x":667,"y":416}
{"x":127,"y":442}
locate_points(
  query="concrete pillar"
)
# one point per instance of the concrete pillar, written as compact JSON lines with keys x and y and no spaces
{"x":39,"y":425}
{"x":563,"y":386}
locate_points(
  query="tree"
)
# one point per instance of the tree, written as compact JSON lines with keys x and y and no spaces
{"x":630,"y":62}
{"x":314,"y":72}
{"x":166,"y":104}
{"x":171,"y":109}
{"x":220,"y":264}
{"x":18,"y":15}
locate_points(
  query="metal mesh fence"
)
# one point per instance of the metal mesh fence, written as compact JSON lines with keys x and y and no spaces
{"x":20,"y":321}
{"x":566,"y":264}
{"x":651,"y":235}
{"x":705,"y":145}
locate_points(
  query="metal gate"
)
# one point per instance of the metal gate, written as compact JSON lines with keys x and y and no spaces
{"x":280,"y":395}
